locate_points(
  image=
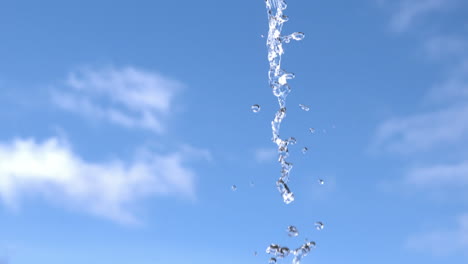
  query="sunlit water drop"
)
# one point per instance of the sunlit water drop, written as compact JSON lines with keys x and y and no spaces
{"x":319,"y":225}
{"x":292,"y":231}
{"x":304,"y":107}
{"x":321,"y":182}
{"x":301,"y":252}
{"x":304,"y":150}
{"x":312,"y":130}
{"x":297,"y":36}
{"x":234,"y":188}
{"x":255,"y":108}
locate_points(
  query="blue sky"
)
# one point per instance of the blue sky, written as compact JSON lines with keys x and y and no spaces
{"x":124,"y":125}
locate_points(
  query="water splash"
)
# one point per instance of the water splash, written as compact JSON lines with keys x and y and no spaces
{"x":278,"y":80}
{"x":279,"y":252}
{"x":301,"y":252}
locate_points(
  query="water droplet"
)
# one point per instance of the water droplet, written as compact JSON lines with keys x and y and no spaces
{"x":255,"y":253}
{"x":234,"y":187}
{"x":272,"y":261}
{"x":304,"y":107}
{"x":283,"y":252}
{"x":292,"y":231}
{"x":262,"y":36}
{"x":272,"y":249}
{"x":304,"y":150}
{"x":312,"y":130}
{"x":321,"y":182}
{"x":298,"y":36}
{"x":283,"y":18}
{"x":301,"y":252}
{"x":319,"y":225}
{"x":292,"y":140}
{"x":255,"y":108}
{"x":288,"y":196}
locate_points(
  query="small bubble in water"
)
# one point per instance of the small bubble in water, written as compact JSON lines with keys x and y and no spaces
{"x":255,"y":253}
{"x":292,"y":231}
{"x":298,"y":36}
{"x":321,"y":182}
{"x":304,"y":150}
{"x":312,"y":130}
{"x":234,"y":188}
{"x":304,"y":107}
{"x":255,"y":108}
{"x":319,"y":225}
{"x":272,"y":261}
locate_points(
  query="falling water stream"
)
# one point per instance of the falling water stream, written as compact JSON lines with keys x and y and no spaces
{"x":278,"y":81}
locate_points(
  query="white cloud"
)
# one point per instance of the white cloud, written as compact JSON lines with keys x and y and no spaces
{"x":439,"y":176}
{"x":425,"y":131}
{"x":443,"y":242}
{"x":266,"y":154}
{"x":411,"y":10}
{"x":52,"y":170}
{"x":454,"y":88}
{"x":422,"y":132}
{"x":128,"y":96}
{"x":446,"y":46}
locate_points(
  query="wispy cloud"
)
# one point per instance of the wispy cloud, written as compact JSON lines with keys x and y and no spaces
{"x":443,"y":242}
{"x":437,"y":176}
{"x":455,"y":88}
{"x":428,"y":130}
{"x":446,"y":46}
{"x":410,"y":11}
{"x":266,"y":154}
{"x":51,"y":169}
{"x":422,"y":132}
{"x":128,"y":96}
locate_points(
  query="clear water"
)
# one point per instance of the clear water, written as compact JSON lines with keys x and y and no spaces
{"x":255,"y":108}
{"x":319,"y":225}
{"x":304,"y":107}
{"x":278,"y":80}
{"x":292,"y":231}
